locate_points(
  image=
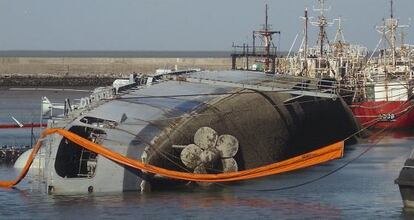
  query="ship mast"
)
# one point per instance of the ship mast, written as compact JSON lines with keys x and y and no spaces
{"x":306,"y":33}
{"x":264,"y":52}
{"x":389,"y":33}
{"x":267,"y":36}
{"x":393,"y":24}
{"x":305,"y":42}
{"x":339,"y":36}
{"x":322,"y":23}
{"x":390,"y":52}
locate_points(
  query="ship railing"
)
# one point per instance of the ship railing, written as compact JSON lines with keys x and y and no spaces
{"x":253,"y":50}
{"x":85,"y":102}
{"x":105,"y":93}
{"x":102,"y":93}
{"x":320,"y":88}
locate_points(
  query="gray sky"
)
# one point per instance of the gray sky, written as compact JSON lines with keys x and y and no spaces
{"x":176,"y":24}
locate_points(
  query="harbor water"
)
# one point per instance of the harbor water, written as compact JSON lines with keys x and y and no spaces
{"x":364,"y":189}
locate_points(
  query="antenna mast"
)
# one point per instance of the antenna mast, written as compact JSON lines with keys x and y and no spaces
{"x":306,"y":32}
{"x":322,"y":23}
{"x":265,"y":52}
{"x":267,"y":18}
{"x":305,"y":42}
{"x":339,"y":36}
{"x":392,"y":25}
{"x":267,"y":36}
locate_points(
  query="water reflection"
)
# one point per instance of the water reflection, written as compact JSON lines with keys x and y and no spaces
{"x":364,"y":189}
{"x":407,"y":213}
{"x":192,"y":204}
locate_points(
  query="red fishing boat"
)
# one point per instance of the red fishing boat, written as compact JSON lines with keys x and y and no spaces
{"x":384,"y":93}
{"x":384,"y":114}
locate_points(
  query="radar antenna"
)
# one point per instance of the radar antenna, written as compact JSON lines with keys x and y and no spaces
{"x":339,"y":36}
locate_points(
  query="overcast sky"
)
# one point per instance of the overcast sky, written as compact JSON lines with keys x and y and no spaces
{"x":177,"y":24}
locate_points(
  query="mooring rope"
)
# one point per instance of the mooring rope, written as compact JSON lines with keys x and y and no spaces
{"x":324,"y":175}
{"x":347,"y":163}
{"x":321,"y":155}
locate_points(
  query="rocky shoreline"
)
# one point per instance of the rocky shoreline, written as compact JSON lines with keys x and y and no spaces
{"x":66,"y":81}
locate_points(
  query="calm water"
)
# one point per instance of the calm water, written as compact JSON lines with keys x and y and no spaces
{"x":25,"y":106}
{"x":363,"y":190}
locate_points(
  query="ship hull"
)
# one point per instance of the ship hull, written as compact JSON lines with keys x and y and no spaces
{"x":156,"y":123}
{"x":391,"y":114}
{"x":407,"y":195}
{"x":405,"y":181}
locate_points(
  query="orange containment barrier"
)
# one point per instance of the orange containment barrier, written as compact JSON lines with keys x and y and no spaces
{"x":319,"y":156}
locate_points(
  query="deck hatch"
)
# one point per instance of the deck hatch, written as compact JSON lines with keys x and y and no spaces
{"x":73,"y":161}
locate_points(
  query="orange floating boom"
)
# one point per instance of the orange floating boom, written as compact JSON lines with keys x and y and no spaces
{"x":319,"y":156}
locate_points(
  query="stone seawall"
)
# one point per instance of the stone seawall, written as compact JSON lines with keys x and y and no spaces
{"x":44,"y":81}
{"x":70,"y":71}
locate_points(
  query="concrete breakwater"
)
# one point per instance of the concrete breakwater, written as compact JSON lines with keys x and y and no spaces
{"x":83,"y":71}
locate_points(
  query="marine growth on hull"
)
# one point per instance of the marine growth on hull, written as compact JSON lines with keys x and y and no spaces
{"x":248,"y":130}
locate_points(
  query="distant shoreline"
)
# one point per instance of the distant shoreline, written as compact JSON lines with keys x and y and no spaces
{"x":114,"y":54}
{"x":118,"y":54}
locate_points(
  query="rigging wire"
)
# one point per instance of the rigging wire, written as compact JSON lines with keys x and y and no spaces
{"x":329,"y":173}
{"x":206,"y":94}
{"x":193,"y":114}
{"x":168,"y":155}
{"x":308,"y":182}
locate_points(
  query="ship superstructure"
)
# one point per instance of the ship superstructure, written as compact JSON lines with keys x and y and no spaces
{"x":261,"y":54}
{"x":337,"y":60}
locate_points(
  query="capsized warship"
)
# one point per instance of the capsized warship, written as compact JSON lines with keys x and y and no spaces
{"x":189,"y":121}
